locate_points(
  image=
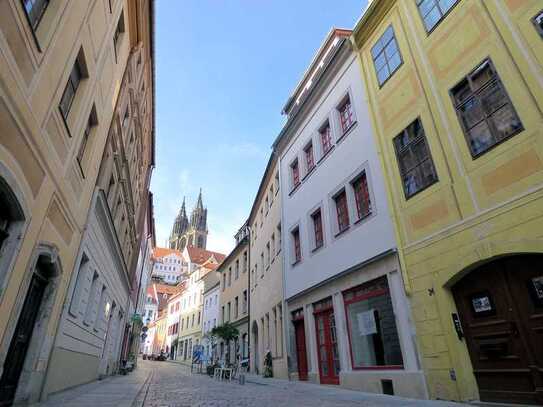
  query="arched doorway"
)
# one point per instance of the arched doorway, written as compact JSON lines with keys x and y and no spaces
{"x":500,"y":305}
{"x":26,"y":340}
{"x":256,"y":348}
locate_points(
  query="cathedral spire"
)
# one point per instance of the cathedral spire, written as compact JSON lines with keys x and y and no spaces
{"x":200,"y":204}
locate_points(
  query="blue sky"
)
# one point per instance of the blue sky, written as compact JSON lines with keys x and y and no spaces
{"x":224,"y":70}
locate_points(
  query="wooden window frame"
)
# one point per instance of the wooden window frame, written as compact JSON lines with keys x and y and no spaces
{"x":365,"y":199}
{"x":408,"y":147}
{"x":342,"y":208}
{"x":297,"y":245}
{"x":347,"y":118}
{"x":375,"y":55}
{"x":295,"y":174}
{"x":325,"y":135}
{"x":475,"y":95}
{"x":318,"y":231}
{"x":443,"y":13}
{"x":309,"y":157}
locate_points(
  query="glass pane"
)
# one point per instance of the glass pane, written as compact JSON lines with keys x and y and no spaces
{"x":432,"y":18}
{"x":66,"y":100}
{"x":412,"y":182}
{"x":427,"y":173}
{"x":425,"y":6}
{"x":482,"y":75}
{"x":391,"y":49}
{"x":420,"y":151}
{"x":377,"y":48}
{"x":445,"y":5}
{"x":471,"y":113}
{"x":480,"y":138}
{"x":493,"y":97}
{"x":383,"y":75}
{"x":407,"y":161}
{"x":506,"y":122}
{"x":387,"y":36}
{"x":462,"y":92}
{"x":380,"y":61}
{"x":394,"y":62}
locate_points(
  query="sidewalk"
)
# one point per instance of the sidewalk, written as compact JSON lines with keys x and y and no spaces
{"x":115,"y":391}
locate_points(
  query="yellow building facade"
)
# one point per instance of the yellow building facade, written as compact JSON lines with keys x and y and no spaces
{"x":456,"y":96}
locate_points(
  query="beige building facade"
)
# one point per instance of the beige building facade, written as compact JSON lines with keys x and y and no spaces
{"x":266,"y":282}
{"x":234,"y":298}
{"x":62,"y":66}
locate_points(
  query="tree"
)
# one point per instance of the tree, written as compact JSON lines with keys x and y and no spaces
{"x":227,"y":332}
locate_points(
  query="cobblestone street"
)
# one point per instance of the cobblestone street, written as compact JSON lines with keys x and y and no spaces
{"x":161,"y":384}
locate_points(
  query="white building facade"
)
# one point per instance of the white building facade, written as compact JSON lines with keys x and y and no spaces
{"x":347,"y":316}
{"x":210,"y":316}
{"x":168,"y":266}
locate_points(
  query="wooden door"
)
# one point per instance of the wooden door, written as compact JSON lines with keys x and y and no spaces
{"x":301,"y":352}
{"x":13,"y":365}
{"x":501,"y":310}
{"x":327,"y":347}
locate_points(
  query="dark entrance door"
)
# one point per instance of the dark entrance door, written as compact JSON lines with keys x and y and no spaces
{"x":501,"y":310}
{"x":301,"y":352}
{"x":327,"y":347}
{"x":20,"y":341}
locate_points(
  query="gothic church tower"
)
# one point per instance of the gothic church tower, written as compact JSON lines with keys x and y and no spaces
{"x":193,"y":233}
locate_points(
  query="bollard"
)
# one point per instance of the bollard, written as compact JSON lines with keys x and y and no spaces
{"x":241,"y":379}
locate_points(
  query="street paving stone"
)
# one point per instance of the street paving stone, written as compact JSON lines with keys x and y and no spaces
{"x":169,"y":384}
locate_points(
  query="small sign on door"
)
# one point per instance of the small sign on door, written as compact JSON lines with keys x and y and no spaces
{"x":366,"y":322}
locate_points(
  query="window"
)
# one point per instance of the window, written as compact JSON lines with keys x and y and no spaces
{"x":68,"y":96}
{"x":126,"y":116}
{"x":222,"y":313}
{"x":414,"y":160}
{"x":325,"y":133}
{"x":229,"y":276}
{"x":236,"y":307}
{"x":267,"y":204}
{"x":309,"y":160}
{"x":433,"y":11}
{"x":386,"y":56}
{"x":262,"y":265}
{"x":236,"y":276}
{"x":268,"y":254}
{"x":80,"y":286}
{"x":342,"y":211}
{"x":371,"y":326}
{"x":244,"y":303}
{"x":228,"y":311}
{"x":538,"y":22}
{"x":272,"y":245}
{"x":295,"y":172}
{"x":361,"y":196}
{"x":118,"y":31}
{"x":346,"y":117}
{"x":34,"y":10}
{"x":81,"y":156}
{"x":484,"y":109}
{"x":316,"y":217}
{"x":90,"y":311}
{"x":244,"y":262}
{"x":296,"y":243}
{"x":278,"y":238}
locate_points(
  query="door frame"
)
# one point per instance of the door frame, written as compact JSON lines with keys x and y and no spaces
{"x":331,"y":378}
{"x":299,"y":323}
{"x":30,"y":383}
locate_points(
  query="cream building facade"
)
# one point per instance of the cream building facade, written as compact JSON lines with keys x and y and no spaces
{"x":61,"y":68}
{"x":234,"y":298}
{"x":266,"y":282}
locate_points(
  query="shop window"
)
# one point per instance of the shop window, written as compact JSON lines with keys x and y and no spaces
{"x":416,"y":166}
{"x":371,"y":324}
{"x":433,"y":11}
{"x":484,"y":109}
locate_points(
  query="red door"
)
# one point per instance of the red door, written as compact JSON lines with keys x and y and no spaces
{"x":301,"y":349}
{"x":327,"y":347}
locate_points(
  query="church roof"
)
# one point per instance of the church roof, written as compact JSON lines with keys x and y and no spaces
{"x":202,"y":256}
{"x":162,"y":252}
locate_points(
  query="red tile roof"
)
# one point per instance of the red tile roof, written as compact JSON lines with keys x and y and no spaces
{"x":162,"y":251}
{"x":201,"y":256}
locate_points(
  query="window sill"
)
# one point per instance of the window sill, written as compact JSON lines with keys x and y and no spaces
{"x":296,"y":263}
{"x":316,"y":249}
{"x":346,"y":132}
{"x":309,"y":173}
{"x":341,"y":232}
{"x":326,"y":154}
{"x":294,"y":189}
{"x":363,"y":218}
{"x":268,"y":267}
{"x":272,"y":260}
